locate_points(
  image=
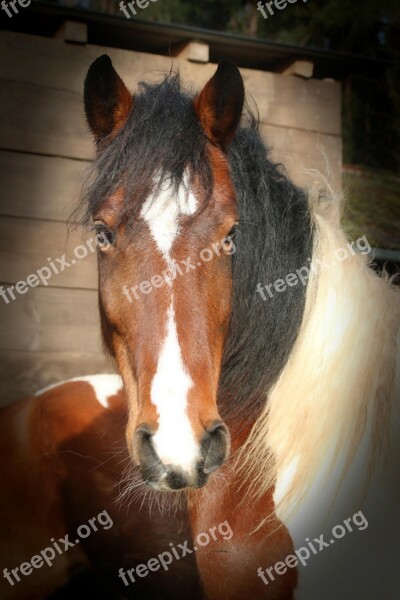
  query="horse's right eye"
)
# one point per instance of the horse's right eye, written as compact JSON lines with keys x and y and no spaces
{"x":105,"y":237}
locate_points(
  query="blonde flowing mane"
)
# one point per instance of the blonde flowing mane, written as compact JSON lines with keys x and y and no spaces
{"x":343,"y":371}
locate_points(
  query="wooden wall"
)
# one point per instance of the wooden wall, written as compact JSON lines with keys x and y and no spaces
{"x":52,"y":332}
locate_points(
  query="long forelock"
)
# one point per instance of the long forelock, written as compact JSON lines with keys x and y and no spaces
{"x":161,"y":140}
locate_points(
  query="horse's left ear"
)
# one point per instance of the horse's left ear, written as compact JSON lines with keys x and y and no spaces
{"x":107,"y":99}
{"x":219,"y":105}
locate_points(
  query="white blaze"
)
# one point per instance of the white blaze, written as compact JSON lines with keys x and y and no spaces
{"x":174,"y":440}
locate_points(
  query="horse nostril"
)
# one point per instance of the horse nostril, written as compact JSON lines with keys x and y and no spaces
{"x":150,"y":464}
{"x":215,"y":446}
{"x":164,"y":474}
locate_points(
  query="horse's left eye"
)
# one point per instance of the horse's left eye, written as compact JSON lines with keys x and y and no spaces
{"x":228,"y":243}
{"x":105,"y":237}
{"x":232,"y":232}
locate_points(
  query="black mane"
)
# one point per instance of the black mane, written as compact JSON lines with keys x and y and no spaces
{"x":274,"y":237}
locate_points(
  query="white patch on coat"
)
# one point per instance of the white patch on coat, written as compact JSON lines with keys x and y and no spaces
{"x":104,"y":386}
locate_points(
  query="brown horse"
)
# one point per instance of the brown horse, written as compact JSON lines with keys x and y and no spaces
{"x":65,"y":458}
{"x":257,"y":352}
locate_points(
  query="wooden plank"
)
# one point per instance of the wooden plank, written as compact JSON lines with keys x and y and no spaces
{"x":23,"y":373}
{"x":51,"y":320}
{"x":194,"y":51}
{"x":38,"y":60}
{"x":301,"y":68}
{"x":39,"y":187}
{"x":72,"y":31}
{"x":284,"y":101}
{"x":43,"y":120}
{"x":56,"y":124}
{"x":25,"y":246}
{"x":310,"y":105}
{"x":300,"y":151}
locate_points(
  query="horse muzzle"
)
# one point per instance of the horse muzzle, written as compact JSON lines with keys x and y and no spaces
{"x":163,"y":475}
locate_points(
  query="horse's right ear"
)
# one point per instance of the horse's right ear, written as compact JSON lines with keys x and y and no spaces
{"x":107,"y":99}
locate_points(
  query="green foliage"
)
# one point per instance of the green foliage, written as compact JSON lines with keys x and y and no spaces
{"x":373,"y":208}
{"x":357,"y":26}
{"x":166,"y":11}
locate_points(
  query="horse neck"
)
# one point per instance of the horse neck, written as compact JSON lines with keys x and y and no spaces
{"x":338,"y":388}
